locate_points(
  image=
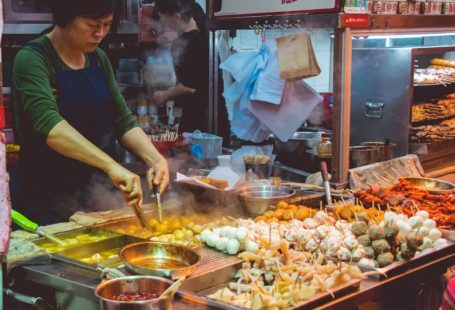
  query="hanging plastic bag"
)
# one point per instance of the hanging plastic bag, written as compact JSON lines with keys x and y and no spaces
{"x":296,"y":57}
{"x":269,"y":86}
{"x":297,"y":103}
{"x":245,"y":69}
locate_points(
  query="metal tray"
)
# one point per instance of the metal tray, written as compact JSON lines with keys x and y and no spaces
{"x":215,"y":279}
{"x":398,"y":267}
{"x":448,"y":234}
{"x":104,"y":245}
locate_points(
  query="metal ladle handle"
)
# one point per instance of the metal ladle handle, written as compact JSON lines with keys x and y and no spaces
{"x":173,"y":288}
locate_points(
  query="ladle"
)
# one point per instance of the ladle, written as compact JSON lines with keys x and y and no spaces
{"x":173,"y":288}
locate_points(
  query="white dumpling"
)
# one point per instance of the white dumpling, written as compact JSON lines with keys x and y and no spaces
{"x":232,"y":247}
{"x":423,"y":214}
{"x":212,"y":239}
{"x":429,"y":223}
{"x":415,"y":221}
{"x":251,"y":246}
{"x":241,"y":233}
{"x":434,"y":234}
{"x":231,"y":232}
{"x":222,"y":243}
{"x":204,"y":235}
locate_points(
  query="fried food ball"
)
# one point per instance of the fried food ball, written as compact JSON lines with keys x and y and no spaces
{"x":359,"y":228}
{"x":288,"y":215}
{"x":345,"y":212}
{"x":380,"y":246}
{"x":362,"y":217}
{"x":369,"y":252}
{"x":364,"y":240}
{"x":406,"y":252}
{"x":400,"y":238}
{"x":391,"y":230}
{"x":385,"y":259}
{"x":414,"y":240}
{"x":282,"y":204}
{"x":269,"y":214}
{"x":279,"y":213}
{"x":376,"y":232}
{"x":302,"y":214}
{"x":260,"y":218}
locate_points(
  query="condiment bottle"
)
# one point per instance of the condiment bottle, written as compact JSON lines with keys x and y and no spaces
{"x":325,"y":146}
{"x":141,"y":107}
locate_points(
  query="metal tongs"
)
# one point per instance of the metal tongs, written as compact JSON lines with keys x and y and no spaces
{"x":157,"y":194}
{"x":141,"y":217}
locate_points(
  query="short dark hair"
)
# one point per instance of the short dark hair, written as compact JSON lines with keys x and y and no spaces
{"x":183,"y":7}
{"x":65,"y":11}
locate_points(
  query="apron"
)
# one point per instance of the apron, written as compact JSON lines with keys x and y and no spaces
{"x":51,"y":187}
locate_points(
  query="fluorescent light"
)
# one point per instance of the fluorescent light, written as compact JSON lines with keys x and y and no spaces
{"x":408,"y":36}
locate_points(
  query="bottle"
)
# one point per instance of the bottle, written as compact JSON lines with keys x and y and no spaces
{"x":324,"y":147}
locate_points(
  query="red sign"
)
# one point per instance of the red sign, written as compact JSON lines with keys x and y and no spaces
{"x":2,"y":117}
{"x":354,"y":20}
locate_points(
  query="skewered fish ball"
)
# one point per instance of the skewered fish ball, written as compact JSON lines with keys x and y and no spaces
{"x":400,"y":238}
{"x":380,"y":246}
{"x":391,"y":230}
{"x":385,"y":259}
{"x":359,"y":228}
{"x":406,"y":252}
{"x":364,"y":240}
{"x":369,"y":252}
{"x":376,"y":232}
{"x":414,"y":240}
{"x":362,"y":217}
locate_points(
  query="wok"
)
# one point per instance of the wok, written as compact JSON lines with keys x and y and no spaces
{"x":159,"y":259}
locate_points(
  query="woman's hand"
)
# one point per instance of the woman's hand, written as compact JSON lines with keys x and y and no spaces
{"x":158,"y":175}
{"x":128,"y":182}
{"x":160,"y":97}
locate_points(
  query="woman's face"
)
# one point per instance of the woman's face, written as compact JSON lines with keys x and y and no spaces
{"x":86,"y":33}
{"x":173,"y":21}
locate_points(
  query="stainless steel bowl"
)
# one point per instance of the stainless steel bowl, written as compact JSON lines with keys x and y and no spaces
{"x":136,"y":284}
{"x":298,"y":143}
{"x":434,"y":186}
{"x":139,"y":257}
{"x":257,"y":199}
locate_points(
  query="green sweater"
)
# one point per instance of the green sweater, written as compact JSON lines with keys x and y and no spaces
{"x":35,"y":106}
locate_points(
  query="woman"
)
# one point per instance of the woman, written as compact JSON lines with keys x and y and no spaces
{"x":190,"y":59}
{"x":68,"y":112}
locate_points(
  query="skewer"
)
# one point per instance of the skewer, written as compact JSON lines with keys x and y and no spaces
{"x":398,"y":174}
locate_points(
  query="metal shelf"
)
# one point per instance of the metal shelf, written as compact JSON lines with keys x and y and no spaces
{"x":329,"y":20}
{"x":332,"y":20}
{"x":411,"y":21}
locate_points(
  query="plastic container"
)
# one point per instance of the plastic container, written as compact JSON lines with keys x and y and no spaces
{"x":210,"y":145}
{"x":141,"y":107}
{"x":224,"y":160}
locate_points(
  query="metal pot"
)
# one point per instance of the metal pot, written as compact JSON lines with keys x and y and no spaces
{"x":362,"y":155}
{"x":139,"y":257}
{"x":143,"y":284}
{"x":385,"y":152}
{"x":298,"y":143}
{"x":257,"y":199}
